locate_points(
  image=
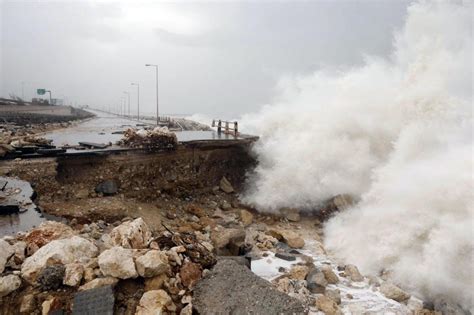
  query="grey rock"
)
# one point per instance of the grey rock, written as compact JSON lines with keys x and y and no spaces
{"x":94,"y":301}
{"x":230,"y":288}
{"x":51,"y":277}
{"x":316,"y":281}
{"x":107,"y":188}
{"x":285,"y":256}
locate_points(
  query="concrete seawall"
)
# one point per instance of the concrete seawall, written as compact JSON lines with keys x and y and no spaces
{"x":38,"y":114}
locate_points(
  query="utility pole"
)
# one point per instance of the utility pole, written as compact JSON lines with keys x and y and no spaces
{"x":49,"y":97}
{"x":157,"y":107}
{"x":128,"y":93}
{"x":138,"y":99}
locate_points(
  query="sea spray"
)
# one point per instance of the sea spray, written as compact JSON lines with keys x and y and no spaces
{"x":396,"y":132}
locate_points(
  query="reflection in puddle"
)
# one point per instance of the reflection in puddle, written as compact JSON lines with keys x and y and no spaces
{"x":18,"y":193}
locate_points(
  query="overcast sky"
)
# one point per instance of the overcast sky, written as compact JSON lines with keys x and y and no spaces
{"x":215,"y":58}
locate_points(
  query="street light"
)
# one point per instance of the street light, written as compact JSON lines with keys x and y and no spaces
{"x":157,"y":108}
{"x":50,"y":99}
{"x":123,"y":104}
{"x":128,"y":93}
{"x":138,"y":99}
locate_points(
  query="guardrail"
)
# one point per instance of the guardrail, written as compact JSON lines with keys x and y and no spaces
{"x":227,"y":129}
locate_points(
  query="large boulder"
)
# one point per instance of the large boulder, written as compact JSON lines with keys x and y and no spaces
{"x":153,"y":263}
{"x":155,"y":302}
{"x":9,"y":284}
{"x":6,"y":250}
{"x":63,"y":251}
{"x":118,"y":262}
{"x":231,"y":288}
{"x":131,"y":234}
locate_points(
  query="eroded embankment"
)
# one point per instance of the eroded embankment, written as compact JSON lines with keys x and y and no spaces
{"x":68,"y":185}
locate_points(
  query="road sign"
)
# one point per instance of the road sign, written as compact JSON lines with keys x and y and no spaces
{"x":41,"y":91}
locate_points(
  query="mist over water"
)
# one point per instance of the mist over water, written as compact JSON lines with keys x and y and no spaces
{"x":398,"y":134}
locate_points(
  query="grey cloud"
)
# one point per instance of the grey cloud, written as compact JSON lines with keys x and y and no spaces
{"x":81,"y":50}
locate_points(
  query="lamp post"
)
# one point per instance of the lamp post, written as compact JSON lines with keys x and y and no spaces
{"x":138,"y":99}
{"x":49,"y":91}
{"x":123,"y":103}
{"x":128,"y":102}
{"x":157,"y":107}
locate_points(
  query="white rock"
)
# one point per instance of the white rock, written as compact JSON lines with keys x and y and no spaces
{"x":152,"y":264}
{"x":73,"y":274}
{"x":9,"y":284}
{"x":131,"y":234}
{"x":155,"y":302}
{"x":6,"y":250}
{"x":64,"y":251}
{"x":118,"y":262}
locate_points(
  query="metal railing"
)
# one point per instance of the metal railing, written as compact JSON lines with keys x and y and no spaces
{"x":227,"y":127}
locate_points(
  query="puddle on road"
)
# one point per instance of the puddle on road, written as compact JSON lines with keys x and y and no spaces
{"x":19,"y":192}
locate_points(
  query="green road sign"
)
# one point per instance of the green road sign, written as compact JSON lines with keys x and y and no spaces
{"x":41,"y":91}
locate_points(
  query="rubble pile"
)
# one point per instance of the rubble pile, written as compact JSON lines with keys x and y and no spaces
{"x":203,"y":255}
{"x":44,"y":269}
{"x":25,"y":138}
{"x":158,"y":138}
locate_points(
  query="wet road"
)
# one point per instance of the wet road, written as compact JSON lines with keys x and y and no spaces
{"x":101,"y":128}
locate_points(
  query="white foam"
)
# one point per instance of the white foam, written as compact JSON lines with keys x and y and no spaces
{"x":396,"y":132}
